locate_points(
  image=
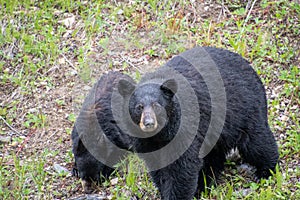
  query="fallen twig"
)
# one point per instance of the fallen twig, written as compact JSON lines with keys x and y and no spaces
{"x":128,"y":62}
{"x":69,"y":62}
{"x":248,"y":15}
{"x":25,"y":141}
{"x":9,"y":126}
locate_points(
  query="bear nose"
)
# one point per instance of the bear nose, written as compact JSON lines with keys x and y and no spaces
{"x":148,"y":121}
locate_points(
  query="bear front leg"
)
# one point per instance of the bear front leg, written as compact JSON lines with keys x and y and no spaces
{"x":178,"y":180}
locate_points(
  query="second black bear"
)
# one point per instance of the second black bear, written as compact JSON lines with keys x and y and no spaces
{"x":95,"y":123}
{"x":155,"y":106}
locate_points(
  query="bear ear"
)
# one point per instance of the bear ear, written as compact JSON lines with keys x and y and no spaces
{"x":169,"y":87}
{"x":78,"y":146}
{"x":125,"y":87}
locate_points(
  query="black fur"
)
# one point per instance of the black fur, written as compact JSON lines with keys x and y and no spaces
{"x":246,"y":125}
{"x":87,"y":167}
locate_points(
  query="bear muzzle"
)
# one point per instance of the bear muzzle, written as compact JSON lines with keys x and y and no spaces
{"x":148,"y":122}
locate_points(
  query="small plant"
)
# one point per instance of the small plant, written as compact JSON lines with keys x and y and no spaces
{"x":35,"y":120}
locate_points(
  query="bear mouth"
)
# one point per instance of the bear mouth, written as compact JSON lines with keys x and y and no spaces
{"x":148,"y":128}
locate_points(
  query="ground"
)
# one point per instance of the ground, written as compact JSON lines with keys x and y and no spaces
{"x":50,"y":51}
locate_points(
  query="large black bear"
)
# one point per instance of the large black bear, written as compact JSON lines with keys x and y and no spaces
{"x":195,"y":109}
{"x":94,"y":124}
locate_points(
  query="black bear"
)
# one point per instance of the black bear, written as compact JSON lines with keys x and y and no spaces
{"x":192,"y":112}
{"x":96,"y":110}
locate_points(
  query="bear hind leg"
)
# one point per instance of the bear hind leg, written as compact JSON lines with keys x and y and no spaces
{"x":259,"y":149}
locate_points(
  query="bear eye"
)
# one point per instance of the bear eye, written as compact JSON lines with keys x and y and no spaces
{"x":139,"y":108}
{"x":156,"y":106}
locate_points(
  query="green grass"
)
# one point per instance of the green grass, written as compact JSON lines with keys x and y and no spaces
{"x":43,"y":56}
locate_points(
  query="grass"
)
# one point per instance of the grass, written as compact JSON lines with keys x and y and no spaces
{"x":48,"y":48}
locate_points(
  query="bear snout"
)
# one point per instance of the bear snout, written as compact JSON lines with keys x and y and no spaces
{"x":148,"y":122}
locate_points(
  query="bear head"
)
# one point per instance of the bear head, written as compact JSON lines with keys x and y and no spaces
{"x":150,"y":104}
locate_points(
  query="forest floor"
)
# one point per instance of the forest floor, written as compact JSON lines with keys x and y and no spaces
{"x":52,"y":52}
